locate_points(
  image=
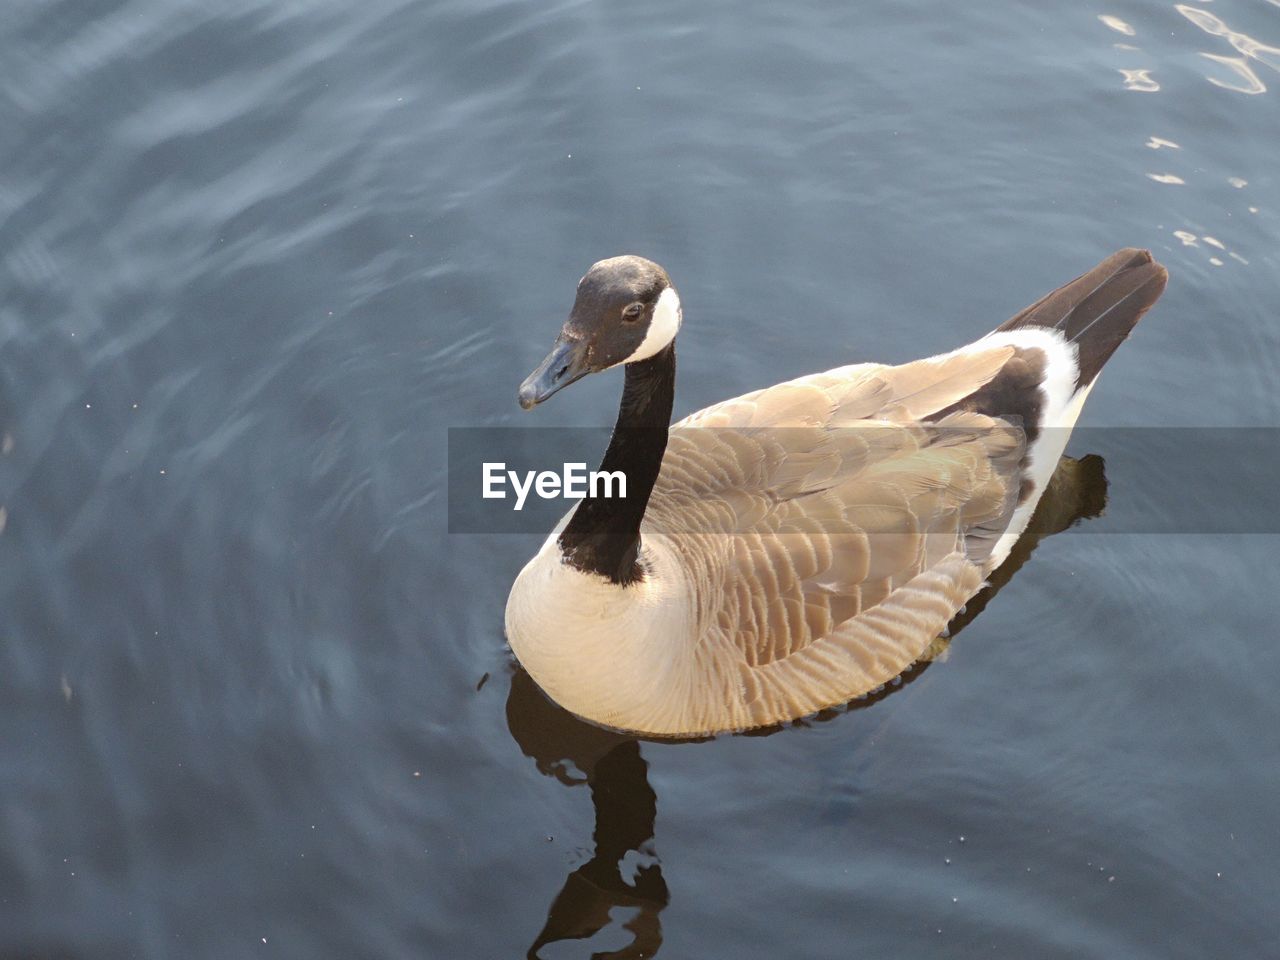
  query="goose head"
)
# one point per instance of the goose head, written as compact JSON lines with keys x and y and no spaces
{"x":625,"y":311}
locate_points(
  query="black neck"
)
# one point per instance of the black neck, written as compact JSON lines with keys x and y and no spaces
{"x":604,"y":535}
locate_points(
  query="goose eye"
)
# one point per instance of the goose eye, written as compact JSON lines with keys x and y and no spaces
{"x":632,"y":311}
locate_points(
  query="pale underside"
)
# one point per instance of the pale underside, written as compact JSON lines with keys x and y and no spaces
{"x":804,"y":544}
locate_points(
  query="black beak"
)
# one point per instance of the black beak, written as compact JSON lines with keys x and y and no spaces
{"x":565,"y":364}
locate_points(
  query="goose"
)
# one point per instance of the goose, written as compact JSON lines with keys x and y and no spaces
{"x":801,"y":545}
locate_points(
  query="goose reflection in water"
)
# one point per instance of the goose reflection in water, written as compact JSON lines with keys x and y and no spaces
{"x":624,"y":873}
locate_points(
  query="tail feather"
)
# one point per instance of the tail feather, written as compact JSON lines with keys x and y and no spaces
{"x":1098,"y":309}
{"x":1046,"y":383}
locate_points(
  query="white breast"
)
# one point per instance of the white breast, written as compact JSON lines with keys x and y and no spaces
{"x":620,"y":655}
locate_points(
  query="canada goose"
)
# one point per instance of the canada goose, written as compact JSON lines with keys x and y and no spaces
{"x":801,"y":545}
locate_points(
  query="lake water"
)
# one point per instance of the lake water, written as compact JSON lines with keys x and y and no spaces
{"x":257,"y":257}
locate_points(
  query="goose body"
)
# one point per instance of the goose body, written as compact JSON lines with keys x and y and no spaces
{"x":801,"y":545}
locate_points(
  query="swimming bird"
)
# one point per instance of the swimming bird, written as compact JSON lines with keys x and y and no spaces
{"x":801,"y":545}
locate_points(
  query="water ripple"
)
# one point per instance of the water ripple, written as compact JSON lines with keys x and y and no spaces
{"x":1240,"y":66}
{"x":1116,"y":24}
{"x":1251,"y":49}
{"x":1139,"y":80}
{"x":257,"y":256}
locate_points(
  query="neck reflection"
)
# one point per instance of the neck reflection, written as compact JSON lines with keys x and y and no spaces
{"x":619,"y":893}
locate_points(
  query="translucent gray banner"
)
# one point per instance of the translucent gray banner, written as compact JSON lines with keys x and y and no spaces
{"x":1125,"y":480}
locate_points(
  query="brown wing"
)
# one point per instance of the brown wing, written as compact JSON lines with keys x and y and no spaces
{"x":815,"y":502}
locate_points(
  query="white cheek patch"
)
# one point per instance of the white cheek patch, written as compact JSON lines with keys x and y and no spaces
{"x":662,"y":328}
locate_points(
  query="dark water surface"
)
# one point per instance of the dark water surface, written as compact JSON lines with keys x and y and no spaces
{"x":255,"y":259}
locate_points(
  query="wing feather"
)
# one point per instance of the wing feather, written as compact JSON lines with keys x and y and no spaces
{"x":805,"y":508}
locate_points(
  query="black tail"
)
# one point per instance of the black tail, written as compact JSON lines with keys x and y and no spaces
{"x":1098,"y":309}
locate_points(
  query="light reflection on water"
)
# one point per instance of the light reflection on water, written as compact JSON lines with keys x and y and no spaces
{"x":1251,"y":49}
{"x":1141,"y":80}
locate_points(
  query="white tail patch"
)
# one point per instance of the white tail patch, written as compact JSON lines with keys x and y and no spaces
{"x":1062,"y":406}
{"x":1059,"y":384}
